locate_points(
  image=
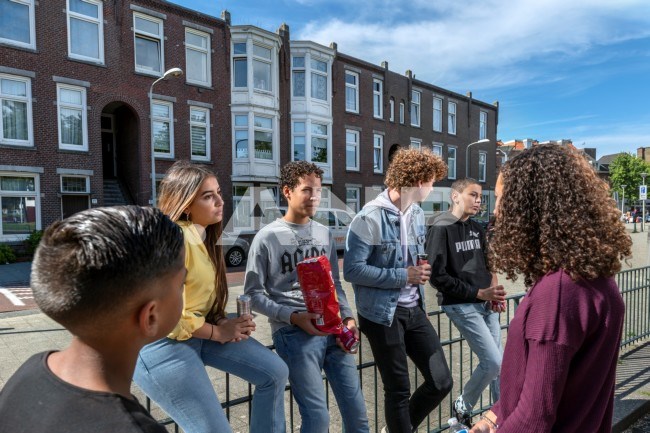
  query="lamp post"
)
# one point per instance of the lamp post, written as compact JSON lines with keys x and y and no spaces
{"x":623,"y":201}
{"x":643,"y":175}
{"x":485,"y":140}
{"x":173,"y":72}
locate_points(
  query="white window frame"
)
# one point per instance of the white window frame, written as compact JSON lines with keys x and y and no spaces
{"x":84,"y":116}
{"x":437,"y":114}
{"x":326,"y":197}
{"x":264,"y":60}
{"x":236,"y":199}
{"x":36,"y":194}
{"x":451,"y":118}
{"x":170,"y":120}
{"x":356,"y":201}
{"x":84,"y":192}
{"x":150,"y":36}
{"x":313,"y":72}
{"x":244,"y":128}
{"x":238,"y":57}
{"x":482,"y":125}
{"x":207,"y":51}
{"x":436,"y":149}
{"x":314,"y":134}
{"x":391,"y":104}
{"x":299,"y":70}
{"x":378,"y":145}
{"x":32,"y":27}
{"x":205,"y":125}
{"x":451,"y":162}
{"x":401,"y":112}
{"x":416,"y":144}
{"x":295,"y":134}
{"x":355,"y":89}
{"x":482,"y":166}
{"x":416,"y":98}
{"x":357,"y":162}
{"x":26,"y":99}
{"x":378,"y":98}
{"x":263,"y":129}
{"x":99,"y":21}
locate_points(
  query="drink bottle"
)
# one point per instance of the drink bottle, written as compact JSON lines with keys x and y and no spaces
{"x":456,"y":426}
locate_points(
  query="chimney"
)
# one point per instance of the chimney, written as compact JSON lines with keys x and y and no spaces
{"x":409,"y":73}
{"x":225,"y":15}
{"x":284,"y":30}
{"x":334,"y":46}
{"x":384,"y":64}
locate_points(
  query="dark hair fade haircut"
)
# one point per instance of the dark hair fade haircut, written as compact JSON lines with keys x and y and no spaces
{"x":292,"y":172}
{"x":93,"y":262}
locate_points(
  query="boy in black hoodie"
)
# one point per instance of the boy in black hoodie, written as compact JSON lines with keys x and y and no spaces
{"x":458,"y":256}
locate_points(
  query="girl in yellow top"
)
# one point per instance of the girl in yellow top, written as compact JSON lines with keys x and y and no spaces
{"x":172,"y":371}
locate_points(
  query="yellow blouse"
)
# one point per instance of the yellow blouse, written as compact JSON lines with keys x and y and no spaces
{"x":199,"y":291}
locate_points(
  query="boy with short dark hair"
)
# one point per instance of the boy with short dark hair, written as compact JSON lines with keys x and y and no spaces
{"x":457,"y":250}
{"x":272,"y":283}
{"x":113,"y":277}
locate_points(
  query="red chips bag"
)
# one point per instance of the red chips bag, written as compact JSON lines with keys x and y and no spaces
{"x":319,"y":293}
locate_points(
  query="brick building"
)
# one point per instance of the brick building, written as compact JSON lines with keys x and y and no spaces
{"x":78,"y":127}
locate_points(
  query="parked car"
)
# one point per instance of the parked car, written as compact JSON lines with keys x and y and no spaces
{"x":235,"y":250}
{"x":337,"y":220}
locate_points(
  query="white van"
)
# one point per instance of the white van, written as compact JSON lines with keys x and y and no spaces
{"x":338,"y":221}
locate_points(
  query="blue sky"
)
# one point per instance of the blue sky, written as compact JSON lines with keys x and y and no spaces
{"x":572,"y":69}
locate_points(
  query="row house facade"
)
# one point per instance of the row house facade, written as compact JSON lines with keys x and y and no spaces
{"x":80,"y":124}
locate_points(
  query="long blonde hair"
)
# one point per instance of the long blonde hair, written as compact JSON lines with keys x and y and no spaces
{"x":177,"y":191}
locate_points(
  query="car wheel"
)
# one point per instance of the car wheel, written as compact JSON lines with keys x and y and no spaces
{"x":235,"y":256}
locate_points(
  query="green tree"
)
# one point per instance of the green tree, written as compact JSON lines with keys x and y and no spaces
{"x":626,"y":170}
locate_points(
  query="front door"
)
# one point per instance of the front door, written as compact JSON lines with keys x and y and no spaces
{"x":108,"y":146}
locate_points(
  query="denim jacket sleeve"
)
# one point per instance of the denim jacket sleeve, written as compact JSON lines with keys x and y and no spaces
{"x":364,"y":237}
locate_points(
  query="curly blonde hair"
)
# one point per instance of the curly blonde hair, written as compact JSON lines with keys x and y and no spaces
{"x":410,"y":166}
{"x":556,"y":213}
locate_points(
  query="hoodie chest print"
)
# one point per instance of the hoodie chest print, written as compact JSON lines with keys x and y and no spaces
{"x":474,"y":243}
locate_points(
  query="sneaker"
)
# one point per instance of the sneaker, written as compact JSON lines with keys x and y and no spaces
{"x":384,"y":430}
{"x":463,"y":414}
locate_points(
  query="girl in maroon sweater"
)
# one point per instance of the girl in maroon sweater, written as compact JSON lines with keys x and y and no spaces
{"x":557,"y":226}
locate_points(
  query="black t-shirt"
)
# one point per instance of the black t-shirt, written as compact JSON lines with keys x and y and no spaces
{"x":34,"y":400}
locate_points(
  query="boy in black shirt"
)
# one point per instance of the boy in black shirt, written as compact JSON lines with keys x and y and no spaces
{"x":113,"y":277}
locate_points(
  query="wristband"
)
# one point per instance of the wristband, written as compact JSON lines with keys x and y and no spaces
{"x":491,"y":423}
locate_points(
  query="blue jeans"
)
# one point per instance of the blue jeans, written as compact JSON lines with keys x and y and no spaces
{"x":307,"y":355}
{"x":480,"y":326}
{"x":172,"y":373}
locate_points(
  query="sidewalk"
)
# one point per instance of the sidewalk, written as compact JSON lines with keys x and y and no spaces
{"x":24,"y":333}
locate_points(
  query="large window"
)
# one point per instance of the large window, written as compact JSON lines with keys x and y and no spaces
{"x":73,"y":118}
{"x":298,"y":76}
{"x":378,"y":153}
{"x":162,"y":128}
{"x":242,"y":204}
{"x":262,"y":68}
{"x":17,"y":23}
{"x":391,"y":105}
{"x":451,"y":118}
{"x":319,"y":80}
{"x":482,"y":166}
{"x":351,"y":92}
{"x":263,"y":137}
{"x":86,"y":30}
{"x":415,"y":108}
{"x":451,"y":162}
{"x":378,"y":98}
{"x":482,"y":127}
{"x":352,"y":150}
{"x":437,"y":114}
{"x":416,"y":144}
{"x":241,"y":136}
{"x":437,"y":149}
{"x":319,"y":143}
{"x":401,"y":112}
{"x":16,"y":102}
{"x":240,"y":65}
{"x":200,"y":133}
{"x":352,"y":198}
{"x":148,"y":33}
{"x":197,"y":57}
{"x":299,"y":140}
{"x":19,"y":204}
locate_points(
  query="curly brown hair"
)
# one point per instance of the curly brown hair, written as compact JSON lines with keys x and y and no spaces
{"x":291,"y":173}
{"x":556,"y":213}
{"x":410,"y":166}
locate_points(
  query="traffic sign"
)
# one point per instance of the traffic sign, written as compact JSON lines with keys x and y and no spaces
{"x":643,"y":192}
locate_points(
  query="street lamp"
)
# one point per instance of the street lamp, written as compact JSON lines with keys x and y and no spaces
{"x":485,"y":140}
{"x":643,"y":175}
{"x":173,"y":72}
{"x":623,"y":201}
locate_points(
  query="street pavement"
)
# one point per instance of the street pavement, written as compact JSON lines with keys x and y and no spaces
{"x":24,"y":331}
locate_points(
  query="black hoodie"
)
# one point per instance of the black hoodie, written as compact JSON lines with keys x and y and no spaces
{"x":458,"y":258}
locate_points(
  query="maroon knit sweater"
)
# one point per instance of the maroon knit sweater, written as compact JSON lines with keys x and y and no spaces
{"x":559,"y":364}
